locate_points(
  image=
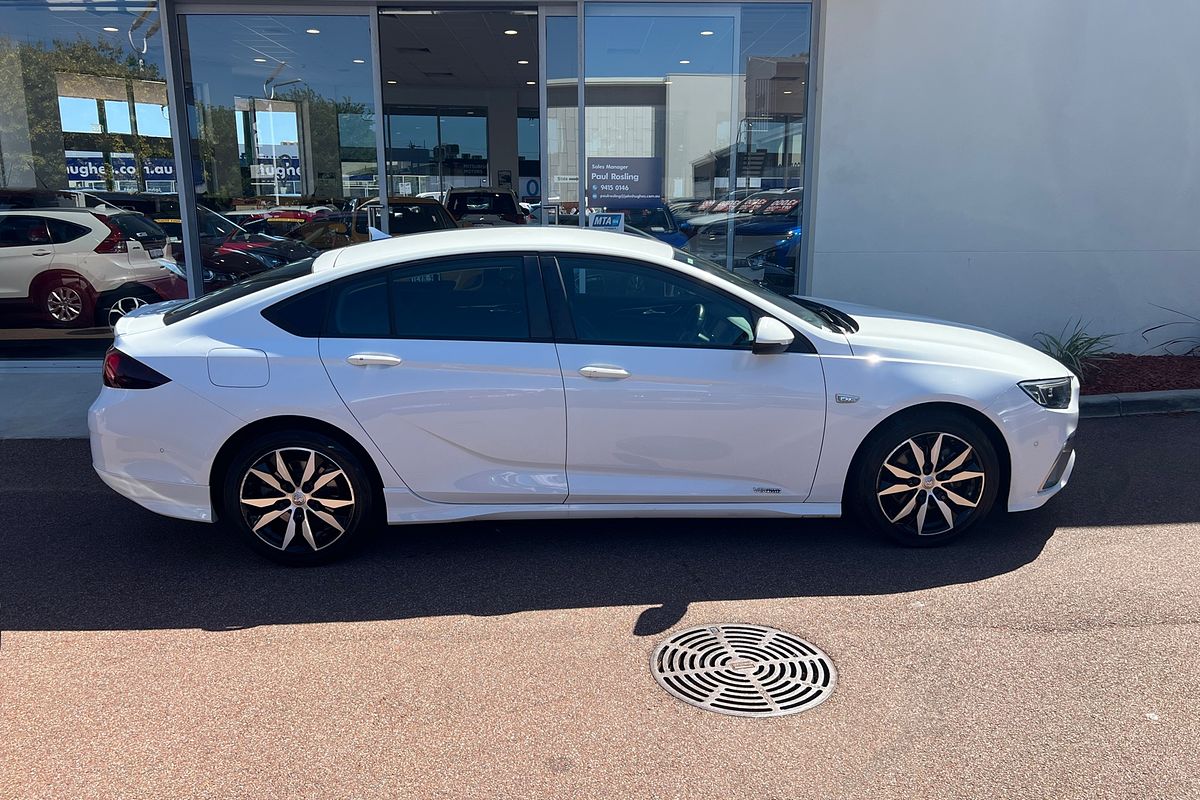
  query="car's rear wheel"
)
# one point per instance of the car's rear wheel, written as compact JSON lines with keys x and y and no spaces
{"x":297,"y":497}
{"x":926,"y":479}
{"x":65,"y":302}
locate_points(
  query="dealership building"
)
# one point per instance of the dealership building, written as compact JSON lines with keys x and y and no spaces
{"x":1010,"y":165}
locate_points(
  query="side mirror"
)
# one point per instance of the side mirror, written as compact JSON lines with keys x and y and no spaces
{"x":772,"y":336}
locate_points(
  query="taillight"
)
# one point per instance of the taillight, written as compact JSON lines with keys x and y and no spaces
{"x":122,"y":371}
{"x":115,"y":241}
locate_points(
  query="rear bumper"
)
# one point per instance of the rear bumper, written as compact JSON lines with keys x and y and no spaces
{"x":178,"y":500}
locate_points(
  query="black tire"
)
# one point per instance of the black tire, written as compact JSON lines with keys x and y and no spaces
{"x":880,"y":494}
{"x":65,"y":302}
{"x":346,"y":499}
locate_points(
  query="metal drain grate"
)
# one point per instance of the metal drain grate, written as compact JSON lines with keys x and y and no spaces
{"x":744,"y":670}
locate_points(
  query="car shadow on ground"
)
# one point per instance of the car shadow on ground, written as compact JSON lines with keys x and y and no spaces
{"x":77,"y":557}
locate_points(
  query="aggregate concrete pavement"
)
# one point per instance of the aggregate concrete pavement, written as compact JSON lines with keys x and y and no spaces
{"x":1048,"y":654}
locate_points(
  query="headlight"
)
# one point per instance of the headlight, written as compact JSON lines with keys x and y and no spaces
{"x":1053,"y":393}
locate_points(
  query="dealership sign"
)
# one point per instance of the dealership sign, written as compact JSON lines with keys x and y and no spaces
{"x":625,"y":182}
{"x":282,"y":168}
{"x":92,"y":168}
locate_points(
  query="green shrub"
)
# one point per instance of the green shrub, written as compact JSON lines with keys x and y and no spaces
{"x":1075,"y":348}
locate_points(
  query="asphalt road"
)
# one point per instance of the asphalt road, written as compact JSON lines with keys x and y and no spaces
{"x":1052,"y":654}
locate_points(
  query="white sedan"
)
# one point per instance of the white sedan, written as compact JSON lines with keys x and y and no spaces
{"x":559,"y":373}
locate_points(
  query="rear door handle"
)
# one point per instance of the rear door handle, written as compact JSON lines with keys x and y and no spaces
{"x":43,"y":253}
{"x":612,"y":373}
{"x":374,"y":360}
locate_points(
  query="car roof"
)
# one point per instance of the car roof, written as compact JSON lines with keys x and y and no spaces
{"x":480,"y":190}
{"x":455,"y":241}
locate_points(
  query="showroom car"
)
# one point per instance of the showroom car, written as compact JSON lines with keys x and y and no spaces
{"x":561,"y":373}
{"x":766,"y":230}
{"x":80,"y":267}
{"x":657,"y":221}
{"x":485,"y":205}
{"x":217,"y":232}
{"x":405,"y":214}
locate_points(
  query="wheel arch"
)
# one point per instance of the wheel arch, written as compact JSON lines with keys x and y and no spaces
{"x":985,"y":423}
{"x":267,"y":425}
{"x":44,"y":279}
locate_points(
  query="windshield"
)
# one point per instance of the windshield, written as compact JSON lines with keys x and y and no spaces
{"x":255,"y":283}
{"x":784,"y":302}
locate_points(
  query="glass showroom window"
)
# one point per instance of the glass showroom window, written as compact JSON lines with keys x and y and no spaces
{"x":695,"y":126}
{"x":282,"y":137}
{"x":83,"y":124}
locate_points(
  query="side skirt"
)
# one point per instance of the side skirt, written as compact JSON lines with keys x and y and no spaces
{"x":403,"y":508}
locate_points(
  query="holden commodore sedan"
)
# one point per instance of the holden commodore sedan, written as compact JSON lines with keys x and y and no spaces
{"x":560,"y":373}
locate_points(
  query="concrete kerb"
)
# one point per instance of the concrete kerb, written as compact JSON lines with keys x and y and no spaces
{"x":1132,"y":404}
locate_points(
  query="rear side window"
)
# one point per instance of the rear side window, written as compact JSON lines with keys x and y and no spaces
{"x":476,"y":298}
{"x":479,"y":298}
{"x":62,"y":231}
{"x":359,"y":309}
{"x":23,"y":231}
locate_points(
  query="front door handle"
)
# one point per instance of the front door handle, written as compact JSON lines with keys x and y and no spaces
{"x":612,"y":373}
{"x":374,"y":360}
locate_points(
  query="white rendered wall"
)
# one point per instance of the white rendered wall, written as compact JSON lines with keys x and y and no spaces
{"x":1011,"y":164}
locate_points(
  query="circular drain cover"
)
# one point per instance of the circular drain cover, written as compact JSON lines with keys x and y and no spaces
{"x":744,"y":670}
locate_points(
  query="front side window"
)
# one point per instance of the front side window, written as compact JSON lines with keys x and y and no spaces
{"x":469,"y":298}
{"x":619,"y":302}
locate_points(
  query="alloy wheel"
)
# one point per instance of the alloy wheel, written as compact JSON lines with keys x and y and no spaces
{"x":122,"y":307}
{"x":64,"y":304}
{"x":930,"y":484}
{"x":297,"y":497}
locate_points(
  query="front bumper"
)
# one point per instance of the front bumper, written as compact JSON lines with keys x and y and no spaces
{"x":1041,"y":444}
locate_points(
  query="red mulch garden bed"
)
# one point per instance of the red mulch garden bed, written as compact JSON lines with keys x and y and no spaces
{"x":1129,"y":373}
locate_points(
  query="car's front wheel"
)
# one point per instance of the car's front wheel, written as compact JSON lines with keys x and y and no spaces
{"x":297,"y":497}
{"x":925,"y":479}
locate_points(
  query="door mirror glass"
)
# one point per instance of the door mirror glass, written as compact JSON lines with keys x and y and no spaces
{"x":772,"y":336}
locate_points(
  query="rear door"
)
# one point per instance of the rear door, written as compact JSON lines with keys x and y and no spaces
{"x":25,"y":251}
{"x":450,"y":367}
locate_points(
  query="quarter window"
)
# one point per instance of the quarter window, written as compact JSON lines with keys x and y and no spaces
{"x":617,"y":302}
{"x":62,"y":231}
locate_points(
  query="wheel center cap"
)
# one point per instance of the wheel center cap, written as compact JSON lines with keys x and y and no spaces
{"x":928,"y":481}
{"x":298,"y":498}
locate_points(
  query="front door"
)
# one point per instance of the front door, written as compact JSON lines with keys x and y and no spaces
{"x":449,"y":367}
{"x":665,"y":400}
